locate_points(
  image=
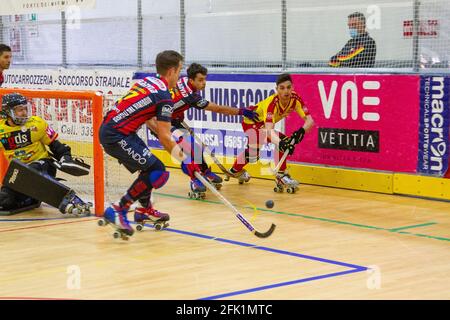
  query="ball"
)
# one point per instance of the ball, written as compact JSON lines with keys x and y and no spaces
{"x":269,"y":204}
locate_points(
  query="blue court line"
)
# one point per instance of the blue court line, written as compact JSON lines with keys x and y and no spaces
{"x":254,"y":246}
{"x":282,"y":284}
{"x":353,"y":267}
{"x":303,"y":256}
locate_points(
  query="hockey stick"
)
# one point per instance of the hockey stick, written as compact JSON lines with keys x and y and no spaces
{"x":238,"y":214}
{"x":283,"y":158}
{"x":278,"y":180}
{"x":211,"y":154}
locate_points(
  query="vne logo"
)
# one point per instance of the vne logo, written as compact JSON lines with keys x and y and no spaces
{"x":350,"y":88}
{"x":349,"y":139}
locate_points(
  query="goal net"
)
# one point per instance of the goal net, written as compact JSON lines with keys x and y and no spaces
{"x":76,"y":116}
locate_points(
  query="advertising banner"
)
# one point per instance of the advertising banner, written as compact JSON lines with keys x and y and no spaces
{"x":72,"y":119}
{"x":433,"y":156}
{"x":10,"y":7}
{"x":361,"y":121}
{"x":223,"y":134}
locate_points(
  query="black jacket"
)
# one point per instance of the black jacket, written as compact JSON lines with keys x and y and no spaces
{"x":358,"y":52}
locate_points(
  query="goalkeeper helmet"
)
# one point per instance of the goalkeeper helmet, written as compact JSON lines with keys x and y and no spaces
{"x":10,"y":102}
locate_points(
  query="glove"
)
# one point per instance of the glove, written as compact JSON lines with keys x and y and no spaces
{"x":249,"y":113}
{"x":285,"y":145}
{"x":74,"y":167}
{"x":190,"y":169}
{"x":298,"y":135}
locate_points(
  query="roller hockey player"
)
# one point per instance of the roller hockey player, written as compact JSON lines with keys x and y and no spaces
{"x":270,"y":111}
{"x":147,"y":98}
{"x":185,"y":95}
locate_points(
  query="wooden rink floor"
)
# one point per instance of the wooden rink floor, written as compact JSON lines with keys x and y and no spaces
{"x":329,"y":244}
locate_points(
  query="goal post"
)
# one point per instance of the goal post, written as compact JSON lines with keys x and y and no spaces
{"x":76,"y":116}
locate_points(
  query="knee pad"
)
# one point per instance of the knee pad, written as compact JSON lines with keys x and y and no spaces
{"x":159,"y":178}
{"x":157,"y":175}
{"x":252,"y":154}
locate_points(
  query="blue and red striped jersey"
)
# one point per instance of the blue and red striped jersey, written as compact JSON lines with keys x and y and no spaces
{"x":184,"y":96}
{"x":147,"y":98}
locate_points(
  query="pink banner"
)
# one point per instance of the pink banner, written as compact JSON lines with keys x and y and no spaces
{"x":361,"y":121}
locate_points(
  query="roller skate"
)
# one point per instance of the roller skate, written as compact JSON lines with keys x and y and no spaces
{"x":72,"y":204}
{"x":158,"y":219}
{"x":284,"y":180}
{"x":117,"y":218}
{"x":197,"y":190}
{"x":242,"y":175}
{"x":215,"y":180}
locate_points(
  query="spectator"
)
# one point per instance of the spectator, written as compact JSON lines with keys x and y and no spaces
{"x":5,"y":60}
{"x":360,"y":50}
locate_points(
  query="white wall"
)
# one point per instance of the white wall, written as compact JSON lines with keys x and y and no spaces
{"x":230,"y":30}
{"x":161,"y":28}
{"x":318,"y":29}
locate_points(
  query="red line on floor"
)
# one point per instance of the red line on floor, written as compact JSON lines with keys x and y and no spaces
{"x":32,"y":298}
{"x":45,"y":225}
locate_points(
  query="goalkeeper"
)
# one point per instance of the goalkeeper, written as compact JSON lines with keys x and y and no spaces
{"x":25,"y":138}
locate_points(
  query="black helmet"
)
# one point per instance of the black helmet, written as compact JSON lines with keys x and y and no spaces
{"x":9,"y":102}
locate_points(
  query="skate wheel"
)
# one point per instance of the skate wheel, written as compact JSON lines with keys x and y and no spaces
{"x":219,"y":186}
{"x":139,"y":227}
{"x":101,"y":222}
{"x":116,"y":235}
{"x":158,"y":226}
{"x":241,"y":182}
{"x":278,"y":189}
{"x":226,"y":178}
{"x":290,"y":190}
{"x":203,"y":196}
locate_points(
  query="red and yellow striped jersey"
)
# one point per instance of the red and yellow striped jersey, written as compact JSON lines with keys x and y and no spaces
{"x":271,"y":110}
